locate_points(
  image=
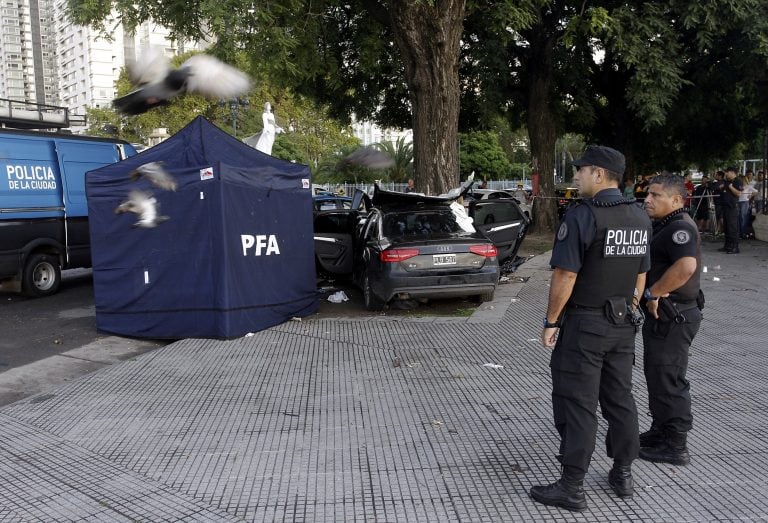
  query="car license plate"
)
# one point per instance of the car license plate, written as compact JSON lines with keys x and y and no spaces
{"x":443,"y":259}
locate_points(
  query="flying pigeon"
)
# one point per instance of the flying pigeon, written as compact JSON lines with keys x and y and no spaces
{"x":156,"y":174}
{"x":158,"y":83}
{"x":145,"y":206}
{"x":369,"y":157}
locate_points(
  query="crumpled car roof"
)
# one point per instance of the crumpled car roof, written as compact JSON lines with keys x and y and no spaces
{"x":388,"y":199}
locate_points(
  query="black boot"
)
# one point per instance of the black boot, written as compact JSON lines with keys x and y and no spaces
{"x":620,"y":479}
{"x":673,"y":450}
{"x":567,"y":492}
{"x":652,"y":437}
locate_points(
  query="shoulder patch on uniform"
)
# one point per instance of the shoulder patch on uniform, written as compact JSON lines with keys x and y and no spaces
{"x":681,"y":237}
{"x":562,"y":232}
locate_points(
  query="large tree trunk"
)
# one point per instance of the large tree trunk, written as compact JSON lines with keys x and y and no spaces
{"x":542,"y":131}
{"x":428,"y":38}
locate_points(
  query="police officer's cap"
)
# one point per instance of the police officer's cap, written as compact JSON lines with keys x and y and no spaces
{"x":601,"y":156}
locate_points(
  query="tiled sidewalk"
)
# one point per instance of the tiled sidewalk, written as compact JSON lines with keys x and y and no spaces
{"x":381,"y":420}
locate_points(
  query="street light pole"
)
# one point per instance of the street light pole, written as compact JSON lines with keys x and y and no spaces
{"x":234,"y":109}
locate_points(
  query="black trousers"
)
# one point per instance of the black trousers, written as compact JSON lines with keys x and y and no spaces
{"x":731,"y":226}
{"x":592,"y":361}
{"x":665,"y":364}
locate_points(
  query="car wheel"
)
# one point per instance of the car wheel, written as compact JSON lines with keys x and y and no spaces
{"x":42,"y":275}
{"x":372,"y":302}
{"x":482,"y":298}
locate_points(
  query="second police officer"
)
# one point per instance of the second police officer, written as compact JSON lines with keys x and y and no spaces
{"x":673,"y":299}
{"x":599,"y":260}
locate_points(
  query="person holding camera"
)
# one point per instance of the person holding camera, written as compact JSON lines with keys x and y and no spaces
{"x":599,"y":260}
{"x":674,"y":300}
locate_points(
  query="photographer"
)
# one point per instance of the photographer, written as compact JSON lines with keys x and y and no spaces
{"x":673,"y":300}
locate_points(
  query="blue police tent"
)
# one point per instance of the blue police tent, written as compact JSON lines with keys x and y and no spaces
{"x":235,"y":256}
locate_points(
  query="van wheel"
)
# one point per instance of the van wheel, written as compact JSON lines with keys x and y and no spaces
{"x":42,"y":276}
{"x":372,"y":302}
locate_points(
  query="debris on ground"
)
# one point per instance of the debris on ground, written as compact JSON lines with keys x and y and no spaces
{"x":511,"y":265}
{"x":338,"y":297}
{"x":493,"y":365}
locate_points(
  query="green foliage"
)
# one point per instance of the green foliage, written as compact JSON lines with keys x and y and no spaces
{"x":481,"y":152}
{"x":666,"y":81}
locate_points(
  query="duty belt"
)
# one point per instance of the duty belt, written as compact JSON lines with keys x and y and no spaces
{"x":582,"y":307}
{"x":685,"y":305}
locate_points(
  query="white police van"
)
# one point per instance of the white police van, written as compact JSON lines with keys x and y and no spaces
{"x":43,"y":210}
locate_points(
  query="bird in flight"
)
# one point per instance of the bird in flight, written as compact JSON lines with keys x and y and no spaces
{"x":157,"y":83}
{"x":369,"y":157}
{"x":143,"y":205}
{"x":156,"y":174}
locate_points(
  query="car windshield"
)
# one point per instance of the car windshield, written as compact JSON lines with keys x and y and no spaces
{"x":421,"y":224}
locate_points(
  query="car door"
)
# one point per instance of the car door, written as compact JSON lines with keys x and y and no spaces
{"x":335,"y":234}
{"x":503,"y":222}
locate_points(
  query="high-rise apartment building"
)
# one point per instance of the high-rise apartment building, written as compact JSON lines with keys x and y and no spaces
{"x":27,"y":54}
{"x":89,"y":64}
{"x":46,"y":59}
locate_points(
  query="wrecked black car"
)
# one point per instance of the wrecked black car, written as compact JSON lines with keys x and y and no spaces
{"x":410,"y":246}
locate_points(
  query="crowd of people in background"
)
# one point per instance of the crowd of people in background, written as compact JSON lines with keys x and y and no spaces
{"x":735,"y":199}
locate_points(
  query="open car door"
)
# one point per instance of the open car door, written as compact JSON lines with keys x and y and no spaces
{"x":503,"y":222}
{"x":334,"y":234}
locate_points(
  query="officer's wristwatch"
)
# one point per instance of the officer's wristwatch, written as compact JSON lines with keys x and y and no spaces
{"x":648,"y":296}
{"x":549,"y":325}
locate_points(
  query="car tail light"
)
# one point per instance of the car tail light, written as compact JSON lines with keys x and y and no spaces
{"x":397,"y":255}
{"x":489,"y":251}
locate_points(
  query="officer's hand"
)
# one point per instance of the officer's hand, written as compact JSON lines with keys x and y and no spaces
{"x":549,"y":337}
{"x":653,"y":308}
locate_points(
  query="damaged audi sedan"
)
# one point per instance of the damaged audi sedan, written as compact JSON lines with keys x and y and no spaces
{"x":410,"y":246}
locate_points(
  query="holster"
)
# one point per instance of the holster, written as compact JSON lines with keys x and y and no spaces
{"x":668,"y":312}
{"x":700,"y":301}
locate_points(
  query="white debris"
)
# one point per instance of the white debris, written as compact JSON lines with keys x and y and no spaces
{"x":715,"y":278}
{"x":493,"y":365}
{"x":248,"y":335}
{"x":513,"y":300}
{"x":716,"y":267}
{"x":704,"y":269}
{"x":462,"y":218}
{"x":338,"y":297}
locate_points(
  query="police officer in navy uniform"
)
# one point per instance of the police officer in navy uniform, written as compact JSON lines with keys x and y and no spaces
{"x":729,"y":200}
{"x":673,"y":300}
{"x":600,"y":257}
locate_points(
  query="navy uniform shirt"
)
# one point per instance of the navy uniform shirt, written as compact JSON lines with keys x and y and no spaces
{"x":674,"y":237}
{"x":577,"y":232}
{"x":728,"y":199}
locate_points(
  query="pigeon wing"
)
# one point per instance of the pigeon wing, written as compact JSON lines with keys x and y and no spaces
{"x":151,"y":68}
{"x":209,"y":76}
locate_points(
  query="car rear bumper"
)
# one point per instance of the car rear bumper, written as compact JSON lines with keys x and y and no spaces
{"x":437,"y":286}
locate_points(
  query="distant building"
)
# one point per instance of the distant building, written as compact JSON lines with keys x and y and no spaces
{"x":27,"y":51}
{"x":89,"y":65}
{"x":369,"y":133}
{"x":46,"y":59}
